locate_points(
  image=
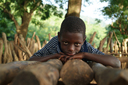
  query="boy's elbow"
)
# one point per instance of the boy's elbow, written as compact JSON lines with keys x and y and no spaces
{"x":30,"y":59}
{"x":117,"y":64}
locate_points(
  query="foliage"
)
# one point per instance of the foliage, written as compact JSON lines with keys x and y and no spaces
{"x":118,"y":11}
{"x":18,"y":7}
{"x":24,"y":9}
{"x":51,"y":25}
{"x":8,"y":27}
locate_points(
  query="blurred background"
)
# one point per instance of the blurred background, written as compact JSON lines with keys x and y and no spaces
{"x":43,"y":18}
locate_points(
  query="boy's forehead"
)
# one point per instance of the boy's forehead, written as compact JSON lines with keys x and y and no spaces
{"x":65,"y":32}
{"x":68,"y":34}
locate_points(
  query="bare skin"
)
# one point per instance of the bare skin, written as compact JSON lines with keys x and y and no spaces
{"x":71,"y":44}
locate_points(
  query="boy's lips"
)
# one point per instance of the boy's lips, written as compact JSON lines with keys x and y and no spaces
{"x":70,"y":54}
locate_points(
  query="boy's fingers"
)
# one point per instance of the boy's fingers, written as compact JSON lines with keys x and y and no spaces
{"x":72,"y":58}
{"x":61,"y":53}
{"x":61,"y":56}
{"x":67,"y":58}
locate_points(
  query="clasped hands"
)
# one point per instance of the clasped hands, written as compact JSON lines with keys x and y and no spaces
{"x":64,"y":58}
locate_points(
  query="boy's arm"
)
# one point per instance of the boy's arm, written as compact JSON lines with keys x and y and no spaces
{"x":107,"y":60}
{"x":44,"y":58}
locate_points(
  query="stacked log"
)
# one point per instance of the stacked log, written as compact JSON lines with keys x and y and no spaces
{"x":10,"y":70}
{"x":42,"y":74}
{"x":109,"y":76}
{"x":76,"y":72}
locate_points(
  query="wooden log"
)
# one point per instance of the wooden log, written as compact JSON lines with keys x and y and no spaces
{"x":1,"y":49}
{"x":42,"y":74}
{"x":109,"y":76}
{"x":123,"y":59}
{"x":76,"y":72}
{"x":10,"y":70}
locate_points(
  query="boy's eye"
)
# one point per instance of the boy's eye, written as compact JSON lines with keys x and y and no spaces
{"x":77,"y":44}
{"x":65,"y":43}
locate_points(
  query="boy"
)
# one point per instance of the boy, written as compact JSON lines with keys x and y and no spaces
{"x":71,"y":44}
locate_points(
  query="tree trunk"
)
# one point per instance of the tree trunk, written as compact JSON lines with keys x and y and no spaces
{"x":23,"y":28}
{"x":76,"y":72}
{"x":74,"y":8}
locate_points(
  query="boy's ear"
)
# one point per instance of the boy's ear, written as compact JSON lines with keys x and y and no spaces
{"x":59,"y":36}
{"x":84,"y":37}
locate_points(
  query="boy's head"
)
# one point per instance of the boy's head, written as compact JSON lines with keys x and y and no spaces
{"x":71,"y":35}
{"x":73,"y":24}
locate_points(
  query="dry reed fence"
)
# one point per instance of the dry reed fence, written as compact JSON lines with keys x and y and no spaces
{"x":21,"y":50}
{"x":116,"y":48}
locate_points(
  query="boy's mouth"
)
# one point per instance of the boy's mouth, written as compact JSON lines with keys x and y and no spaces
{"x":70,"y":54}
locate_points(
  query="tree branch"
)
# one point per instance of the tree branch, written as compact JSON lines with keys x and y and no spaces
{"x":11,"y":16}
{"x":38,"y":3}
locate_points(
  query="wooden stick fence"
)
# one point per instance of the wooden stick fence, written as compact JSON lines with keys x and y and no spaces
{"x":19,"y":49}
{"x":118,"y":49}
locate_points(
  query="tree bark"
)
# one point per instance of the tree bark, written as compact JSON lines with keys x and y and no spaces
{"x":42,"y":74}
{"x":76,"y":72}
{"x":23,"y":28}
{"x":74,"y":8}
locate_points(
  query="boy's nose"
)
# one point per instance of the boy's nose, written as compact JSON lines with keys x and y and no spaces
{"x":71,"y":48}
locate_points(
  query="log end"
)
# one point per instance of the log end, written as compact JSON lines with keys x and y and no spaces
{"x":76,"y":72}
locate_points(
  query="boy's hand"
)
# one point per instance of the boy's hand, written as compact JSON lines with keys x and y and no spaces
{"x":77,"y":56}
{"x":63,"y":57}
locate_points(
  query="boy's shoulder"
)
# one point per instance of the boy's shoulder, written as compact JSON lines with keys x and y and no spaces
{"x":53,"y":42}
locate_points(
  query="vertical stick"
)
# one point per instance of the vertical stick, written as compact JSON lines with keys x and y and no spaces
{"x":5,"y":48}
{"x":38,"y":41}
{"x":92,"y":37}
{"x":108,"y":43}
{"x":1,"y":50}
